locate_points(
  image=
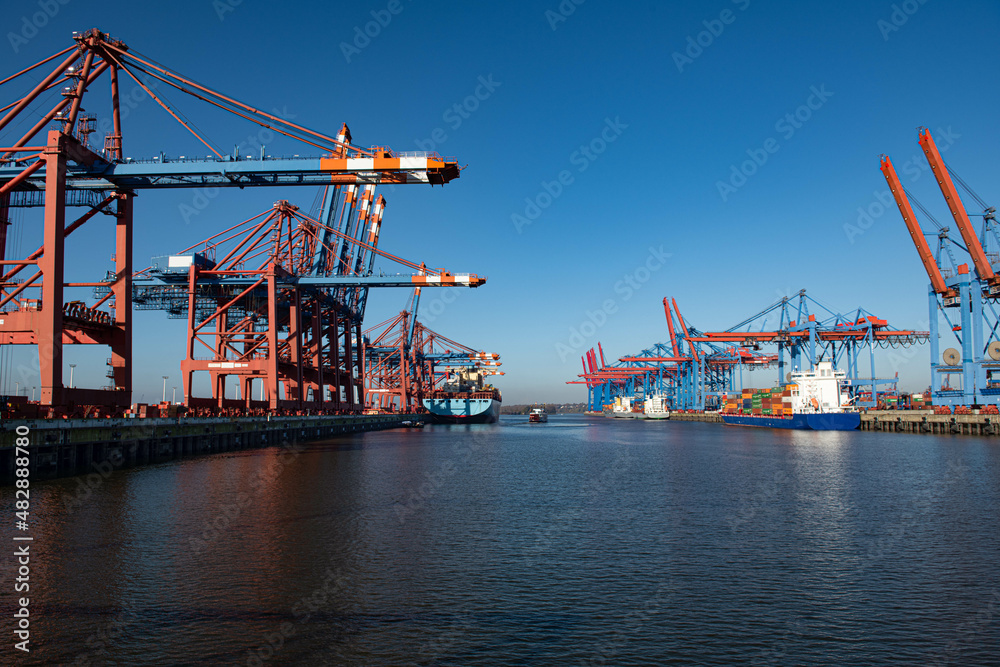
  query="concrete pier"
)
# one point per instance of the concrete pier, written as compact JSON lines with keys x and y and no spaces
{"x":895,"y":421}
{"x":66,"y":447}
{"x":925,"y":421}
{"x":695,"y":417}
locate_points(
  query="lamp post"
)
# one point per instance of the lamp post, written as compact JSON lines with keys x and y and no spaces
{"x":71,"y":367}
{"x":33,"y":394}
{"x":174,"y":399}
{"x":165,"y":378}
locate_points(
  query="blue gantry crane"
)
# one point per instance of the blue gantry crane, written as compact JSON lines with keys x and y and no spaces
{"x":697,"y":368}
{"x":966,"y":298}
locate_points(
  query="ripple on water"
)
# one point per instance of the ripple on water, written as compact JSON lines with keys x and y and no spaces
{"x":581,"y":541}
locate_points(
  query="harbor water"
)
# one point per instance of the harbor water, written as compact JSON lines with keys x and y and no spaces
{"x":583,"y":541}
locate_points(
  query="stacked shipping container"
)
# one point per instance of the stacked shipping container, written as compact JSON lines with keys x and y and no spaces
{"x":775,"y":402}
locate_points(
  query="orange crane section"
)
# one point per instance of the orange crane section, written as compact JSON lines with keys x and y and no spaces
{"x":956,"y":207}
{"x":916,"y":234}
{"x":670,"y":326}
{"x":694,"y":352}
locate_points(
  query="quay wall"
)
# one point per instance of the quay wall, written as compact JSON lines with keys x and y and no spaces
{"x":896,"y":421}
{"x":66,"y":447}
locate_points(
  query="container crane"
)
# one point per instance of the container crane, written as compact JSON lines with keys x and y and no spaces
{"x":696,"y":367}
{"x":958,"y":213}
{"x":967,"y":299}
{"x":56,"y":170}
{"x":949,"y":295}
{"x":252,"y":299}
{"x":406,"y":362}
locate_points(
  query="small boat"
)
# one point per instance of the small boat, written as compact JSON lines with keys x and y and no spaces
{"x":538,"y":416}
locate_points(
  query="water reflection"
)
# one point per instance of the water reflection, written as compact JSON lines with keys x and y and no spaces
{"x":575,"y":541}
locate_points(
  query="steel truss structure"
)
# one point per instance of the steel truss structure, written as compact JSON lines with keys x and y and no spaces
{"x":280,"y":298}
{"x":57,"y":170}
{"x":406,"y":362}
{"x":695,"y":368}
{"x":967,"y":300}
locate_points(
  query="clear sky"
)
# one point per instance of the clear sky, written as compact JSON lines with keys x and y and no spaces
{"x":599,"y":138}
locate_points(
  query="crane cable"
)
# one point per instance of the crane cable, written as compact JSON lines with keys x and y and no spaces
{"x":979,"y":200}
{"x":941,"y":228}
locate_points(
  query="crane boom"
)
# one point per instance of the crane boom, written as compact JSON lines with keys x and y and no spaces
{"x":956,"y":207}
{"x":670,"y":327}
{"x":916,"y":234}
{"x":694,"y":351}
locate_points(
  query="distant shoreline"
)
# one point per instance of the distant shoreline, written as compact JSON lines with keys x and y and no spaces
{"x":551,"y":408}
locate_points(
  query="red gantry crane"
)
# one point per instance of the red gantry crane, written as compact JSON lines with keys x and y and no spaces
{"x":256,"y":304}
{"x":406,"y":362}
{"x":52,"y":166}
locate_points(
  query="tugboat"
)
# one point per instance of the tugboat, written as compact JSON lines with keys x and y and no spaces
{"x":538,"y":416}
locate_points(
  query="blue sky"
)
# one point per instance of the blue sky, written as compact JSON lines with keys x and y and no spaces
{"x":674,"y":127}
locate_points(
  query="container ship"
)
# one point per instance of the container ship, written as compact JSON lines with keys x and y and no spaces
{"x":653,"y":407}
{"x":464,"y":398}
{"x":815,"y":399}
{"x":623,"y":408}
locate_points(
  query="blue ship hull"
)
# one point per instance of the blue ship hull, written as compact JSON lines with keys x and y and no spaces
{"x":463,"y":410}
{"x":828,"y":421}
